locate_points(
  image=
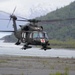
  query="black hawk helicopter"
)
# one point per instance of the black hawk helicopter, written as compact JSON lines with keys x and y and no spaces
{"x":31,"y":34}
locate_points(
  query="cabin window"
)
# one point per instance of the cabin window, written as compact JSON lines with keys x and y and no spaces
{"x":23,"y":35}
{"x":30,"y":35}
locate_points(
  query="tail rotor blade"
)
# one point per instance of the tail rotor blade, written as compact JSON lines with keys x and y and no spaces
{"x":5,"y":12}
{"x":11,"y":17}
{"x":14,"y":10}
{"x":8,"y":23}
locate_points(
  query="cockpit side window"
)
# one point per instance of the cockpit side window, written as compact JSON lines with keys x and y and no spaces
{"x":46,"y":36}
{"x":41,"y":35}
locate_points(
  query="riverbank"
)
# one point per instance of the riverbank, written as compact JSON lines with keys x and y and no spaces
{"x":26,"y":65}
{"x":12,"y":49}
{"x":68,"y":44}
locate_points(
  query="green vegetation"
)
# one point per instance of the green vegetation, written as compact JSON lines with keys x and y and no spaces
{"x":3,"y":61}
{"x":62,"y":44}
{"x":59,"y":73}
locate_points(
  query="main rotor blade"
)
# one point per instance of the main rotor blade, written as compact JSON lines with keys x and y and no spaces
{"x":4,"y":19}
{"x":5,"y":31}
{"x":5,"y":12}
{"x":22,"y":17}
{"x":9,"y":19}
{"x":14,"y":10}
{"x":57,"y":20}
{"x":13,"y":13}
{"x":8,"y":23}
{"x":52,"y":20}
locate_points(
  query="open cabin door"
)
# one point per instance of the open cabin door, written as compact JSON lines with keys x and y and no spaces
{"x":23,"y":37}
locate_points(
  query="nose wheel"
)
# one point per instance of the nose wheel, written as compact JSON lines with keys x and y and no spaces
{"x":45,"y":47}
{"x":26,"y":46}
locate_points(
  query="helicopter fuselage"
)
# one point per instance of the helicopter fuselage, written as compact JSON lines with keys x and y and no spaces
{"x":32,"y":35}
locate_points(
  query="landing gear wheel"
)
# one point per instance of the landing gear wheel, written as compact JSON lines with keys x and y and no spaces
{"x":45,"y":47}
{"x":17,"y":43}
{"x":26,"y":46}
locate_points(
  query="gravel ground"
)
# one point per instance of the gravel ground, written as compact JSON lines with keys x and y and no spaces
{"x":22,"y":65}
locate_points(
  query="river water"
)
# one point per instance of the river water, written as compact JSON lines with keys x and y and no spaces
{"x":11,"y":49}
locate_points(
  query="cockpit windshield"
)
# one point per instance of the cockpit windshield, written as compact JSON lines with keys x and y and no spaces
{"x":46,"y":36}
{"x":37,"y":34}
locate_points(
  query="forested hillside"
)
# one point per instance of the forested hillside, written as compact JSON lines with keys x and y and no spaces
{"x":62,"y":30}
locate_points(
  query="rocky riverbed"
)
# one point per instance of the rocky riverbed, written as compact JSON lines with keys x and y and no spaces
{"x":27,"y":65}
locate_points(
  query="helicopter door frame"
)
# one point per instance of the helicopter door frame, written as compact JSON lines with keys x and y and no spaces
{"x":23,"y":35}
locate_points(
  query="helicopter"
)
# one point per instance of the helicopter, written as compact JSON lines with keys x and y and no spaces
{"x":32,"y":33}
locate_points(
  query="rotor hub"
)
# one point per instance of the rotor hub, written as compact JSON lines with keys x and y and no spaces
{"x":13,"y":16}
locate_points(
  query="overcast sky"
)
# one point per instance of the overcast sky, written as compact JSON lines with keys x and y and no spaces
{"x":32,"y":8}
{"x":27,"y":7}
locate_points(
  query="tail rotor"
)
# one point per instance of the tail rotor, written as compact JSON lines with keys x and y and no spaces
{"x":11,"y":16}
